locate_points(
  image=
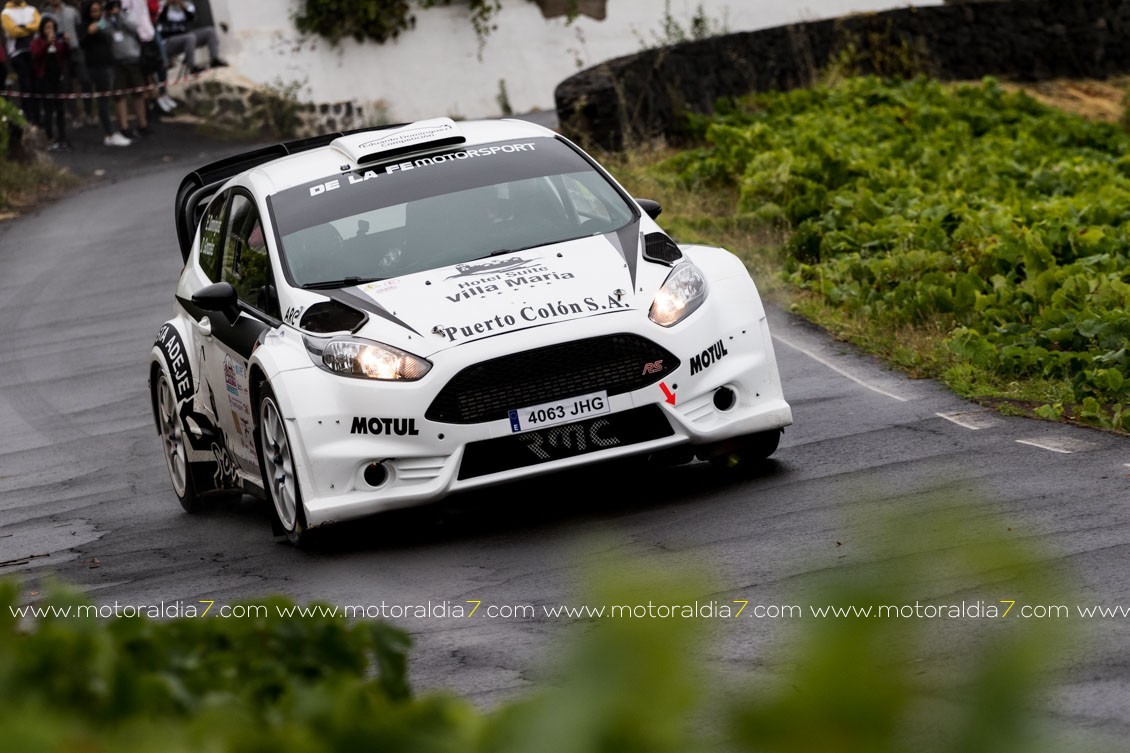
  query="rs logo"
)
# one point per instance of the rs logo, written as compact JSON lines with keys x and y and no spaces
{"x":654,"y":367}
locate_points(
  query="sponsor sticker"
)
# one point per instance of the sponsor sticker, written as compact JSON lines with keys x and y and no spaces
{"x":708,"y":357}
{"x":558,"y":412}
{"x":532,"y":314}
{"x":400,"y":427}
{"x":323,"y":187}
{"x":170,"y":343}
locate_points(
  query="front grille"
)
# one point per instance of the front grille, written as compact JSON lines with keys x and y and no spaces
{"x":566,"y":441}
{"x":488,"y":390}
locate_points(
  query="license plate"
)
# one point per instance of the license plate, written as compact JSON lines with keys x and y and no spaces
{"x":512,"y":451}
{"x":558,"y":412}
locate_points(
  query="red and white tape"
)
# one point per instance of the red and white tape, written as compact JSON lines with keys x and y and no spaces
{"x":94,"y":95}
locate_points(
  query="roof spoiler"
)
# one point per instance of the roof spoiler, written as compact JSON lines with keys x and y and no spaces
{"x":201,"y":184}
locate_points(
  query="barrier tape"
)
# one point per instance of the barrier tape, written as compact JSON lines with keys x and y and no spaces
{"x":97,"y":95}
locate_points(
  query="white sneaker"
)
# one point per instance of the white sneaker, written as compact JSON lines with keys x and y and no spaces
{"x":116,"y":139}
{"x":166,"y":103}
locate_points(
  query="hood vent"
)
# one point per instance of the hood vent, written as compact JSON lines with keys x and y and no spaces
{"x":657,"y":247}
{"x":331,"y":316}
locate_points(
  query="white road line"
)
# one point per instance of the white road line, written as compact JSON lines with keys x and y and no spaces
{"x":838,"y":370}
{"x":970,"y":419}
{"x":1062,"y":445}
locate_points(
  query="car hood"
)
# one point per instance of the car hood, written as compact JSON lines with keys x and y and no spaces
{"x":451,"y":306}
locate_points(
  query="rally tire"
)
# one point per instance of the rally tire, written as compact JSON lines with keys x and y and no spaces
{"x":276,"y":460}
{"x":174,"y":443}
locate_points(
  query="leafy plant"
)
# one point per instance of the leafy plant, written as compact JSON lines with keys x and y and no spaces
{"x":672,"y":31}
{"x":503,"y":99}
{"x":381,"y":20}
{"x":10,"y":119}
{"x":279,"y":108}
{"x":980,"y":215}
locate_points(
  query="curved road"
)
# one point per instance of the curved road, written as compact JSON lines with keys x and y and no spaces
{"x":84,"y":493}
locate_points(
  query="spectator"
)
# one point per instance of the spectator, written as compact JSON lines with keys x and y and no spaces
{"x":3,"y":63}
{"x":69,"y":21}
{"x":97,"y":43}
{"x":128,"y":78}
{"x":152,"y":60}
{"x":20,"y":22}
{"x":49,"y":55}
{"x":175,"y":22}
{"x":164,"y":101}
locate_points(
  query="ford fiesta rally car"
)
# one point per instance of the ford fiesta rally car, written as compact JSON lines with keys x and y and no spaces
{"x":373,"y":319}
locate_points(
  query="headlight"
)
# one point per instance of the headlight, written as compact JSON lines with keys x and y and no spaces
{"x":682,"y":292}
{"x":366,"y":359}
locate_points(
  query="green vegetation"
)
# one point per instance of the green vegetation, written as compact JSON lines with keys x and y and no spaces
{"x":9,"y":115}
{"x":964,"y":232}
{"x":380,"y":20}
{"x":626,"y":684}
{"x":24,"y":184}
{"x":671,"y":31}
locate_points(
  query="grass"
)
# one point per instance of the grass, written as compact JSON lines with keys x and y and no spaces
{"x":26,"y":186}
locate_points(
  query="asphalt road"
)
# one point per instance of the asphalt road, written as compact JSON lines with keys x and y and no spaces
{"x":84,"y":493}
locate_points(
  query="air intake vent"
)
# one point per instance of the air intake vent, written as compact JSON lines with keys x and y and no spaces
{"x":661,"y":249}
{"x":331,"y":316}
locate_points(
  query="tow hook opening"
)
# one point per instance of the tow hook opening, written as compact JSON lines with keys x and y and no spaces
{"x":376,"y":473}
{"x":725,"y":398}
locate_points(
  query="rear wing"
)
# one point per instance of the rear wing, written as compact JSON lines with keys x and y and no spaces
{"x":201,"y":184}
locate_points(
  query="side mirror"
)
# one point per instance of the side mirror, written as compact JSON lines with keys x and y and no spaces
{"x":267,"y":300}
{"x":219,"y":297}
{"x":650,"y":208}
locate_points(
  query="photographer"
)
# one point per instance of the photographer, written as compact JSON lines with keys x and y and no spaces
{"x":69,"y":20}
{"x":49,"y":56}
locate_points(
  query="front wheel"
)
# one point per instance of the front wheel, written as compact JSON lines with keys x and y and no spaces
{"x":280,"y":479}
{"x":174,"y":443}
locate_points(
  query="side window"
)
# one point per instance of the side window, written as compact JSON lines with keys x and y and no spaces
{"x":210,"y":226}
{"x":247,"y":265}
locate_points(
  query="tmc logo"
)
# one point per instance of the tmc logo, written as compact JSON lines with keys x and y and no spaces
{"x":654,"y":367}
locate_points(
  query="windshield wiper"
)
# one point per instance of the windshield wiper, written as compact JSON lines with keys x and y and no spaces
{"x":345,"y":282}
{"x":502,"y":251}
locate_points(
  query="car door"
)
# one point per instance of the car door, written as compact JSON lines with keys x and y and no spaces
{"x":244,"y":262}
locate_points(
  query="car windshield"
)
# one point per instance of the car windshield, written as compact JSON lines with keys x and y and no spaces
{"x":447,"y":208}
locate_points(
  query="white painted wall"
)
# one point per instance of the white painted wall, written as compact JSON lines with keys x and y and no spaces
{"x":435,"y":69}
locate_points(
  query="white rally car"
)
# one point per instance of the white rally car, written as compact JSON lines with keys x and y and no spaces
{"x":373,"y":319}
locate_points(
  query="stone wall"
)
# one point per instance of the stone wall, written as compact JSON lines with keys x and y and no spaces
{"x":245,"y":108}
{"x":648,"y":93}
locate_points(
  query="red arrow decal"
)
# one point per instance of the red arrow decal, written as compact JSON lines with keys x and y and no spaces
{"x":668,"y":394}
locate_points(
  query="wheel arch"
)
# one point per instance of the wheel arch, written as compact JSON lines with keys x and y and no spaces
{"x":154,"y":375}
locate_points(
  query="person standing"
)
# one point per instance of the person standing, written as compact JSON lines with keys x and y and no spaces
{"x":151,"y":63}
{"x":97,"y":43}
{"x":20,"y":22}
{"x":128,"y":78}
{"x":69,"y":21}
{"x":49,"y":54}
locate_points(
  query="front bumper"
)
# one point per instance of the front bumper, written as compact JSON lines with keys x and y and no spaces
{"x":339,"y":426}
